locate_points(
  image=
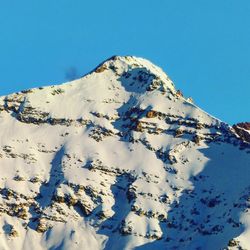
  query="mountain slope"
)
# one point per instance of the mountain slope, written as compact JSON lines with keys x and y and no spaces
{"x":120,"y":160}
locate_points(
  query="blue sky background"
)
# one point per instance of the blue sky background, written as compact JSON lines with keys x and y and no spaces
{"x":204,"y":46}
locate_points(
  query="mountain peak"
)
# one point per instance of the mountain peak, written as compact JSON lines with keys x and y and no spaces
{"x":130,"y":62}
{"x":136,"y":69}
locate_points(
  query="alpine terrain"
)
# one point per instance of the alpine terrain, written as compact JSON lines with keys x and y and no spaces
{"x":120,"y":159}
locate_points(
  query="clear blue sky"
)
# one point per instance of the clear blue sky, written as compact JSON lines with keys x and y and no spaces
{"x":204,"y":46}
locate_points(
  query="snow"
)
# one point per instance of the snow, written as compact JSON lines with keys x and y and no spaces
{"x":86,"y":163}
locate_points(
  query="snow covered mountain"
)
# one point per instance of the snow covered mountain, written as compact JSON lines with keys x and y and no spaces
{"x":119,"y":159}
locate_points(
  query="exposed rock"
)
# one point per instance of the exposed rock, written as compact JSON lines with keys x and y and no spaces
{"x":42,"y":225}
{"x":13,"y":233}
{"x":151,"y":114}
{"x":243,"y":131}
{"x":101,"y":68}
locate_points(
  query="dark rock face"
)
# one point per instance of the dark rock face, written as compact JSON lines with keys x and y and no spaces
{"x":245,"y":125}
{"x":243,"y":130}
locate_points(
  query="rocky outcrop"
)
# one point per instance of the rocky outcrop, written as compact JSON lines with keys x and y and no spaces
{"x":243,"y":131}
